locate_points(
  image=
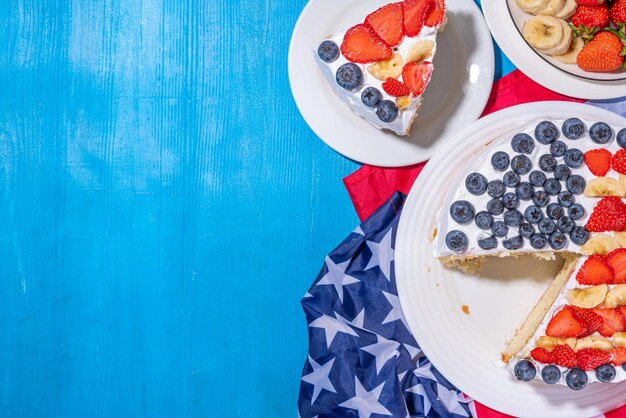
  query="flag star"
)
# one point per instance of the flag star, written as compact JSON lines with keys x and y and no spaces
{"x":319,"y":378}
{"x":358,"y":231}
{"x":414,"y":352}
{"x":382,"y":255}
{"x":383,"y":350}
{"x":337,"y":276}
{"x":358,"y":320}
{"x":419,"y":389}
{"x":307,"y":295}
{"x":366,"y":403}
{"x":425,"y":372}
{"x":396,"y":310}
{"x":331,"y":327}
{"x":451,"y":400}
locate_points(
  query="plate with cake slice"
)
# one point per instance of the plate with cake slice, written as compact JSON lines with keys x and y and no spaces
{"x":384,"y":82}
{"x":511,"y":260}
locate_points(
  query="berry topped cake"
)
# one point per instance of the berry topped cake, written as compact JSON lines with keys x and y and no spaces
{"x":381,"y":66}
{"x":553,"y":188}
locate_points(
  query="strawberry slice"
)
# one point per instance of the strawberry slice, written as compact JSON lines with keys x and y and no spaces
{"x":361,"y":44}
{"x":612,"y":321}
{"x":590,"y":358}
{"x":618,"y":162}
{"x":395,"y":88}
{"x":565,"y":324}
{"x":436,"y":16}
{"x":592,"y":321}
{"x":595,"y":271}
{"x":617,"y":260}
{"x":416,"y":76}
{"x":542,"y":355}
{"x":609,"y":214}
{"x":387,"y":22}
{"x":415,"y":13}
{"x":598,"y":161}
{"x":563,"y":355}
{"x":618,"y":356}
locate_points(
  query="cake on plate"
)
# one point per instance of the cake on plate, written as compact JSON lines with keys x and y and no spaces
{"x":551,"y":189}
{"x":381,"y":66}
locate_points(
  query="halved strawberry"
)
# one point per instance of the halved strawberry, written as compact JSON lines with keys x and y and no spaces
{"x":388,"y":23}
{"x":595,"y":271}
{"x":563,"y":355}
{"x":590,"y":358}
{"x":592,"y":321}
{"x":618,"y":356}
{"x":415,"y":13}
{"x":609,"y":214}
{"x":542,"y":355}
{"x":565,"y":324}
{"x":598,"y":161}
{"x":622,"y":310}
{"x":612,"y":321}
{"x":361,"y":44}
{"x":416,"y":76}
{"x":617,"y":260}
{"x":395,"y":88}
{"x":618,"y":162}
{"x":436,"y":16}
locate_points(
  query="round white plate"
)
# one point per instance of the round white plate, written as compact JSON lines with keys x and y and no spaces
{"x":540,"y":68}
{"x":456,"y":96}
{"x":465,"y":348}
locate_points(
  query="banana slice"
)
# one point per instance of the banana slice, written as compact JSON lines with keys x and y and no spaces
{"x":588,"y":297}
{"x":569,"y":57}
{"x":622,"y":179}
{"x":383,"y":70}
{"x":565,"y":43}
{"x":599,"y":244}
{"x":532,"y":6}
{"x":420,"y":51}
{"x":621,"y":238}
{"x":553,"y":7}
{"x":604,"y":186}
{"x":569,"y":7}
{"x":619,"y":339}
{"x":594,"y":341}
{"x":404,"y":101}
{"x":550,"y":342}
{"x":616,"y":296}
{"x":543,"y":32}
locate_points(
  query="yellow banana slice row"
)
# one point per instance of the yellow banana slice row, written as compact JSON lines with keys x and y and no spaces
{"x":532,"y":6}
{"x":563,"y":46}
{"x":543,"y":32}
{"x":553,"y":7}
{"x":569,"y":57}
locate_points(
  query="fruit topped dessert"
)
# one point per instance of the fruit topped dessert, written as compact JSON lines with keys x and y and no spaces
{"x":381,"y":66}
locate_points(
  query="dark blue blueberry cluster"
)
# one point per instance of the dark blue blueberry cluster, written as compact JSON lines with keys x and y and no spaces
{"x":575,"y":377}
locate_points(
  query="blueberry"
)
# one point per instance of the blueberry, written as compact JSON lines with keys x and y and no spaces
{"x":575,"y":184}
{"x":621,"y":138}
{"x":576,"y":379}
{"x":546,"y":132}
{"x":462,"y":212}
{"x":547,"y":163}
{"x":457,"y":241}
{"x":500,"y":160}
{"x":576,"y":211}
{"x":538,"y":241}
{"x":510,"y":200}
{"x":541,"y":198}
{"x":495,"y":207}
{"x":565,"y":224}
{"x":371,"y":96}
{"x":513,"y":217}
{"x":488,"y":243}
{"x":554,"y":211}
{"x":521,"y":164}
{"x":533,"y":214}
{"x":573,"y":128}
{"x":562,"y":172}
{"x":476,"y":184}
{"x":514,"y":243}
{"x":496,"y":188}
{"x":328,"y":51}
{"x":483,"y":220}
{"x":600,"y":133}
{"x":566,"y":199}
{"x":546,"y":226}
{"x":499,"y":229}
{"x":552,"y":187}
{"x":551,"y":374}
{"x":525,"y":371}
{"x":526,"y":230}
{"x":523,"y":143}
{"x":579,"y":235}
{"x":349,"y":76}
{"x":537,"y":178}
{"x":510,"y":179}
{"x":558,"y":148}
{"x":574,"y":158}
{"x":557,"y":240}
{"x":387,"y":111}
{"x":605,"y":373}
{"x":525,"y":190}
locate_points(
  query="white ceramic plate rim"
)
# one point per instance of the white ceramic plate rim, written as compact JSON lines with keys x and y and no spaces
{"x":431,"y":310}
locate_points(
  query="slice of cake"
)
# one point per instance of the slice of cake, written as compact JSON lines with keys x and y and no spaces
{"x":381,"y":66}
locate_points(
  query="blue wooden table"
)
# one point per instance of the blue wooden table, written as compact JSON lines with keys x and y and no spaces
{"x":163,"y":208}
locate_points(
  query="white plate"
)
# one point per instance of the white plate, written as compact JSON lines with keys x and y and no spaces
{"x":456,"y":96}
{"x":545,"y":70}
{"x":464,"y":348}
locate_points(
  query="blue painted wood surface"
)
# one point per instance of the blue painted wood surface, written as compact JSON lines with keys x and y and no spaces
{"x":163,"y":208}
